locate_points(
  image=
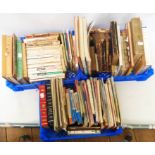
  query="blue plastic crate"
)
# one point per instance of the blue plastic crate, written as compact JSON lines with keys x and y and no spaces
{"x":72,"y":76}
{"x":49,"y":135}
{"x":140,"y":77}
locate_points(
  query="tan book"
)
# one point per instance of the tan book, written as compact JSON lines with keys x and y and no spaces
{"x":94,"y":99}
{"x":137,"y":38}
{"x":104,"y":103}
{"x":90,"y":96}
{"x":85,"y":109}
{"x":88,"y":104}
{"x":62,"y":105}
{"x":63,"y":51}
{"x":97,"y":95}
{"x":80,"y":98}
{"x":55,"y":114}
{"x":58,"y":104}
{"x":4,"y":56}
{"x":131,"y":57}
{"x":112,"y":102}
{"x":25,"y":71}
{"x":81,"y":44}
{"x":145,"y":64}
{"x":125,"y":53}
{"x":115,"y":49}
{"x":68,"y":108}
{"x":118,"y":116}
{"x":110,"y":117}
{"x":99,"y":103}
{"x":53,"y":35}
{"x":86,"y":46}
{"x":9,"y":58}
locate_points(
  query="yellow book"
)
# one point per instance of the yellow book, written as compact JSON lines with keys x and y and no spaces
{"x":25,"y":73}
{"x":4,"y":56}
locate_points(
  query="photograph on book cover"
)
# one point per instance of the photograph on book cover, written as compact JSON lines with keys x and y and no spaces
{"x":77,"y":76}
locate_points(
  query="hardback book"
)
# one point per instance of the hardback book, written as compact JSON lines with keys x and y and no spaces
{"x":76,"y":132}
{"x":115,"y":47}
{"x":19,"y":64}
{"x":138,"y":45}
{"x":9,"y":58}
{"x":24,"y":59}
{"x":43,"y":105}
{"x":50,"y":116}
{"x":55,"y":113}
{"x":137,"y":38}
{"x":63,"y":105}
{"x":82,"y":45}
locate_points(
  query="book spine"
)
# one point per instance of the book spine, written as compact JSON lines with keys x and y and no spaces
{"x":137,"y":38}
{"x":43,"y":106}
{"x":50,"y":116}
{"x":4,"y":56}
{"x":19,"y":60}
{"x":8,"y":54}
{"x":46,"y":74}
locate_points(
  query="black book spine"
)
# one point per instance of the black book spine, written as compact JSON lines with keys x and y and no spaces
{"x":50,"y":116}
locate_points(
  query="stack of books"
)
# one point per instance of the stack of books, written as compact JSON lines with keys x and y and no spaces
{"x":36,"y":57}
{"x":94,"y":50}
{"x":118,"y":51}
{"x":88,"y":107}
{"x":44,"y":57}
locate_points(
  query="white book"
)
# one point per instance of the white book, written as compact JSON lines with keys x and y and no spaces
{"x":81,"y":44}
{"x":37,"y":56}
{"x":45,"y":69}
{"x":84,"y":132}
{"x":43,"y":60}
{"x":46,"y":75}
{"x":86,"y":46}
{"x":146,"y":47}
{"x":40,"y":65}
{"x":27,"y":40}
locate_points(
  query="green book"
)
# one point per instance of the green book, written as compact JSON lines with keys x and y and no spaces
{"x":19,"y":60}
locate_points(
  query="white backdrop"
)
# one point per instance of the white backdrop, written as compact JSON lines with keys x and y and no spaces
{"x":137,"y":99}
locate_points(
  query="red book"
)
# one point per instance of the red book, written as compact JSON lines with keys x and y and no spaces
{"x":43,"y":105}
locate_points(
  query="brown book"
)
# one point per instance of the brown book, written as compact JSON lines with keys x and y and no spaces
{"x":137,"y":38}
{"x":9,"y":58}
{"x":98,"y":38}
{"x":94,"y":99}
{"x":99,"y":103}
{"x":125,"y":53}
{"x":69,"y":115}
{"x":131,"y":58}
{"x":53,"y":34}
{"x":116,"y":102}
{"x":4,"y":56}
{"x":115,"y":52}
{"x":112,"y":103}
{"x":58,"y":104}
{"x":74,"y":128}
{"x":55,"y":106}
{"x":109,"y":110}
{"x":137,"y":45}
{"x":62,"y":105}
{"x":104,"y":104}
